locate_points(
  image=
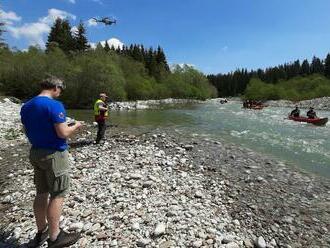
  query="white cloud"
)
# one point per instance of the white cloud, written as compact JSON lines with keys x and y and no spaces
{"x":91,"y":22}
{"x":9,"y":17}
{"x":53,"y":14}
{"x":112,"y":42}
{"x":31,"y":31}
{"x":35,"y":32}
{"x":72,"y":1}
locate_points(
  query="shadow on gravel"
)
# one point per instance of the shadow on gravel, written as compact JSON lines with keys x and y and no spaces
{"x":78,"y":144}
{"x":7,"y":241}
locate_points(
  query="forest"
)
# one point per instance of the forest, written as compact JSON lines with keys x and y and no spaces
{"x":135,"y":72}
{"x":127,"y":73}
{"x":292,"y":81}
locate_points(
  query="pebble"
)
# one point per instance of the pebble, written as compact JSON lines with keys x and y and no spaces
{"x":197,"y":243}
{"x":232,"y":245}
{"x":160,"y":229}
{"x":143,"y":242}
{"x":260,"y":242}
{"x":76,"y":226}
{"x":153,"y":192}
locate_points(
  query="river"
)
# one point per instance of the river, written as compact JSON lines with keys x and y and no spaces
{"x":266,"y":131}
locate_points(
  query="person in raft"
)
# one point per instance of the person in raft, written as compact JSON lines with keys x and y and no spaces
{"x":44,"y":121}
{"x":101,"y":114}
{"x":295,"y":112}
{"x":311,"y":114}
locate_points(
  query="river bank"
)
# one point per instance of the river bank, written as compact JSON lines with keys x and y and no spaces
{"x":322,"y":103}
{"x":160,"y":189}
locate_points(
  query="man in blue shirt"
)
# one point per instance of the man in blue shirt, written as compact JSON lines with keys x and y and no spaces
{"x":44,"y":121}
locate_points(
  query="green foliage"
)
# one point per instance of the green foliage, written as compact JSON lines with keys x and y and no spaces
{"x":22,"y":72}
{"x":92,"y":73}
{"x":235,"y":83}
{"x":88,"y":73}
{"x":295,"y":89}
{"x":189,"y":83}
{"x":259,"y":90}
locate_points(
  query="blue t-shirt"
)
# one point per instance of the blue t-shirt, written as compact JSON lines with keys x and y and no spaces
{"x":38,"y":117}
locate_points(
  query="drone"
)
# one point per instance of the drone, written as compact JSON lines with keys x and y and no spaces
{"x":106,"y":20}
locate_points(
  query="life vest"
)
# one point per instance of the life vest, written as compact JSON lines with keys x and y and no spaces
{"x":97,"y":112}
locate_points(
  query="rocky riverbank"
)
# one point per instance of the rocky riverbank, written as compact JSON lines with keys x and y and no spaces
{"x":164,"y":190}
{"x":135,"y":105}
{"x":322,"y":103}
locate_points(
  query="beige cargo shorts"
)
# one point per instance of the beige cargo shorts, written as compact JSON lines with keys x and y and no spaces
{"x":51,"y":171}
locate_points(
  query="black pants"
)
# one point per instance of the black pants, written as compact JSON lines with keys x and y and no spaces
{"x":101,"y":126}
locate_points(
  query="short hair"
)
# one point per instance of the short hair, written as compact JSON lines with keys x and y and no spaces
{"x":103,"y":95}
{"x":51,"y":82}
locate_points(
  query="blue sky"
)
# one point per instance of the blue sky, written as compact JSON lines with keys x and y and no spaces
{"x":216,"y":36}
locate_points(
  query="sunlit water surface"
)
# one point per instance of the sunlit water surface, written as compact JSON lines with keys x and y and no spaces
{"x":266,"y":131}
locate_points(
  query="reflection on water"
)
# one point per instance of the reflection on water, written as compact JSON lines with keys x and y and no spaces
{"x":267,"y":131}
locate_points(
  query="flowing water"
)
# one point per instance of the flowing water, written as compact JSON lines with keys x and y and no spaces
{"x":266,"y":131}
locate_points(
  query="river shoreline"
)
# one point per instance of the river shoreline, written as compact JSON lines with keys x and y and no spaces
{"x":160,"y":189}
{"x":322,"y":103}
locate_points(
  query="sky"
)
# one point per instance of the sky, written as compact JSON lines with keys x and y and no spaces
{"x":216,"y":36}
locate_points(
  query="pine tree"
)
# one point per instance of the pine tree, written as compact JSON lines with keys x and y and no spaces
{"x":137,"y":54}
{"x":106,"y":46}
{"x":61,"y":34}
{"x":317,"y":66}
{"x":327,"y":66}
{"x":80,"y":39}
{"x":99,"y":47}
{"x":151,"y":62}
{"x":2,"y":43}
{"x":305,"y":68}
{"x":161,"y":58}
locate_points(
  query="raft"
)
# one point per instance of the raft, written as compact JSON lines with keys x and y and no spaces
{"x":315,"y":121}
{"x":257,"y":107}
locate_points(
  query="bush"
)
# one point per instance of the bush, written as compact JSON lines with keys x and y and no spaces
{"x":86,"y":74}
{"x":295,"y":89}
